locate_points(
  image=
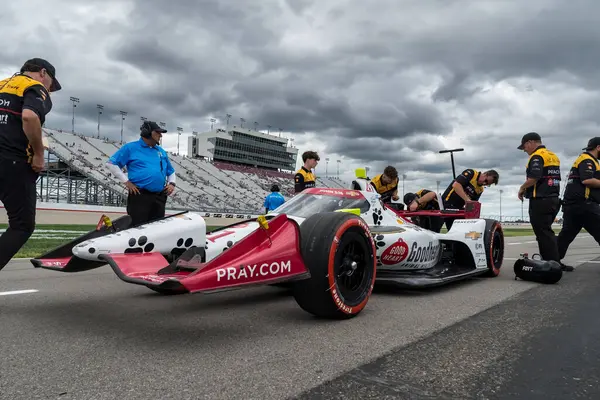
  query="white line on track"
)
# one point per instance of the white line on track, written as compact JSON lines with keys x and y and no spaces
{"x":18,"y":292}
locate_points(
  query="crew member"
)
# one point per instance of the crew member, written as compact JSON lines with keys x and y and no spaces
{"x":581,"y":203}
{"x":386,"y":184}
{"x":273,"y":199}
{"x":542,"y":188}
{"x":24,"y":103}
{"x":468,"y":186}
{"x":305,"y":178}
{"x":150,"y":175}
{"x":424,"y":200}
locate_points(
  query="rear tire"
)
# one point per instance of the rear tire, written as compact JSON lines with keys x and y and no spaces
{"x":339,"y":253}
{"x":493,"y":241}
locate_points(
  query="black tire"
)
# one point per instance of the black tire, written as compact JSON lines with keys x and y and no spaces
{"x":332,"y":244}
{"x":493,"y":241}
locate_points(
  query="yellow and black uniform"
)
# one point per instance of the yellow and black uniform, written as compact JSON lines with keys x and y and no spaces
{"x":544,"y":166}
{"x":304,"y":179}
{"x":585,"y":167}
{"x":17,"y":177}
{"x":432,"y":223}
{"x":16,"y":94}
{"x":544,"y":203}
{"x":468,"y":180}
{"x":581,"y":207}
{"x":432,"y":205}
{"x":386,"y":191}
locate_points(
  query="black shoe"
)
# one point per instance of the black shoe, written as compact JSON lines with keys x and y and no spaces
{"x":568,"y":268}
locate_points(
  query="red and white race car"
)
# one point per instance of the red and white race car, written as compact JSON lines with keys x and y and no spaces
{"x":329,"y":246}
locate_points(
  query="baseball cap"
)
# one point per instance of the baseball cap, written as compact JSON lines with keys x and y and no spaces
{"x":43,"y":64}
{"x":527,"y":137}
{"x":592,"y":143}
{"x":155,"y":127}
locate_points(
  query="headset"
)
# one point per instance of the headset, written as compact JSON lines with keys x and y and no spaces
{"x":146,"y":130}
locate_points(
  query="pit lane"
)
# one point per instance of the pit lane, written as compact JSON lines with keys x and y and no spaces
{"x":90,"y":335}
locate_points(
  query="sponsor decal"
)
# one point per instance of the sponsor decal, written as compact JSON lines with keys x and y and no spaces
{"x":253,"y":271}
{"x":464,"y":221}
{"x":395,"y":254}
{"x":478,"y":246}
{"x":423,"y":254}
{"x":206,"y":215}
{"x":239,"y":216}
{"x":472,"y":235}
{"x":400,"y":221}
{"x":229,"y":216}
{"x":339,"y":303}
{"x":217,"y":215}
{"x":54,"y":263}
{"x":527,"y":268}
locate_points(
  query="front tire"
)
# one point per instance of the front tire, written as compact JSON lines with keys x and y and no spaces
{"x":493,"y":241}
{"x":339,"y":253}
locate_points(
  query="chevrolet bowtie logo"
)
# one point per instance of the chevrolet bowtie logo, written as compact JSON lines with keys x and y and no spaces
{"x":472,"y":235}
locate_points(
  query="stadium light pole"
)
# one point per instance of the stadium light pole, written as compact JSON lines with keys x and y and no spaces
{"x":212,"y":122}
{"x":338,"y":168}
{"x":242,"y":120}
{"x":74,"y":100}
{"x":280,"y":130}
{"x":452,"y":158}
{"x":256,"y":126}
{"x":100,"y":107}
{"x":268,"y":129}
{"x":123,"y":114}
{"x":326,"y":166}
{"x":227,"y":123}
{"x":179,"y":130}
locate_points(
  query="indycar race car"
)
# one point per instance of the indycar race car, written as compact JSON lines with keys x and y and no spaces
{"x":328,"y":245}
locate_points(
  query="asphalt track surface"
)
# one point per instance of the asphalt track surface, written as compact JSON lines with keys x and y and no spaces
{"x":91,"y":336}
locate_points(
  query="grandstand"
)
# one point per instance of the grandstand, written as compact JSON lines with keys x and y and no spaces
{"x":76,"y":173}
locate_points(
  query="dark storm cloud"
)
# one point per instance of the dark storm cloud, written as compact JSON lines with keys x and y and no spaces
{"x":372,"y":84}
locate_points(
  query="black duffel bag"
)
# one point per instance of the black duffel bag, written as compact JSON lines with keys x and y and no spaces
{"x":540,"y":271}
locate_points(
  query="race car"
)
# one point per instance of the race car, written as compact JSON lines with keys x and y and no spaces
{"x":329,"y":246}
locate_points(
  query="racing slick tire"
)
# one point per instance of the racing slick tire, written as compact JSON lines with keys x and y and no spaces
{"x":340,"y":254}
{"x":493,"y":242}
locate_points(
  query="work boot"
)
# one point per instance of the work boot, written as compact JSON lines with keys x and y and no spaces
{"x":568,"y":268}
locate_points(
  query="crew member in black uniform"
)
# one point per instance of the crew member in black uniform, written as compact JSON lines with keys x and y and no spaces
{"x":542,"y":188}
{"x":24,"y":104}
{"x":581,"y":202}
{"x":305,"y":178}
{"x":468,"y":186}
{"x":424,"y":200}
{"x":386,"y":184}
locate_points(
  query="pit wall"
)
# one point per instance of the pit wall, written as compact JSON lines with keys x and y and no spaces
{"x":81,"y":214}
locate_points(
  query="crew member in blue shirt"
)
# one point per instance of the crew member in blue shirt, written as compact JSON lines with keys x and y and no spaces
{"x":273,"y":199}
{"x":150,"y":175}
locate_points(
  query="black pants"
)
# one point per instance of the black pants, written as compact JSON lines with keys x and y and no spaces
{"x":431,"y":223}
{"x":577,"y":216}
{"x":542,"y":212}
{"x":146,"y":206}
{"x":18,"y":194}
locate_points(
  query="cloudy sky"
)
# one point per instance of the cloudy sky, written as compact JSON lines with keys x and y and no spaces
{"x":384,"y":82}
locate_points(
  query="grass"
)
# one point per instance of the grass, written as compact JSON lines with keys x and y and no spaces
{"x":41,"y":241}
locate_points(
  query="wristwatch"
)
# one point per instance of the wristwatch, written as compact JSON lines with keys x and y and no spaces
{"x":171,"y":183}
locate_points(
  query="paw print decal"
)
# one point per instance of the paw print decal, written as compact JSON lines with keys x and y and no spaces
{"x":182,"y":246}
{"x":377,"y":217}
{"x":229,"y":244}
{"x":139,"y":245}
{"x":379,"y":243}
